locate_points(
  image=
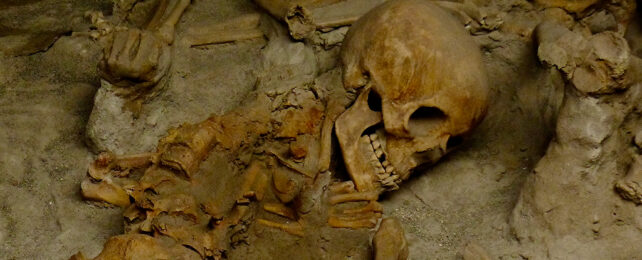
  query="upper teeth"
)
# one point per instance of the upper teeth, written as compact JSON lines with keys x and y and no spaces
{"x":384,"y":170}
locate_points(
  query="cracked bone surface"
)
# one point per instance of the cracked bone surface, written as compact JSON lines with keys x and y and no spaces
{"x":422,"y":89}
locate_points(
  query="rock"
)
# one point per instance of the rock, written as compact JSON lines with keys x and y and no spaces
{"x":390,"y":242}
{"x":473,"y":251}
{"x":603,"y":70}
{"x":573,"y":6}
{"x":600,"y":22}
{"x":638,"y":139}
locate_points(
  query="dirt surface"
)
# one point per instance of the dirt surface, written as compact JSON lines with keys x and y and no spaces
{"x":55,"y":117}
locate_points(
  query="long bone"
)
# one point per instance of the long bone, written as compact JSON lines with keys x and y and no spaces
{"x":241,"y":28}
{"x":165,"y":28}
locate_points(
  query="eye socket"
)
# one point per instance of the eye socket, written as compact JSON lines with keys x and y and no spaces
{"x":425,"y":119}
{"x":374,"y":101}
{"x":454,"y":141}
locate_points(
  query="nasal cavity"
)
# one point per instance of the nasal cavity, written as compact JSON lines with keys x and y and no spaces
{"x":426,"y":120}
{"x":374,"y":101}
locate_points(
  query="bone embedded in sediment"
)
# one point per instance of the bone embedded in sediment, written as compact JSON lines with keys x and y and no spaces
{"x":280,"y":209}
{"x":372,"y":206}
{"x":356,"y":196}
{"x":171,"y":15}
{"x":104,"y":191}
{"x":341,"y":13}
{"x":290,"y":228}
{"x":244,"y":27}
{"x":355,"y":221}
{"x":342,"y":187}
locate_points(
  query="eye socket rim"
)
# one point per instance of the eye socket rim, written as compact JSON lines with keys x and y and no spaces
{"x":424,"y":120}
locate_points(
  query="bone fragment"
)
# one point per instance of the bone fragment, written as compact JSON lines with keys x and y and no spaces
{"x":158,"y":15}
{"x":354,"y":223}
{"x":342,"y":13}
{"x":132,"y":246}
{"x":260,"y":185}
{"x":292,"y":165}
{"x":372,"y":206}
{"x":166,"y":28}
{"x":106,"y":192}
{"x":333,"y":110}
{"x":389,"y":242}
{"x":238,"y":213}
{"x":342,"y":187}
{"x":242,"y":28}
{"x":286,"y":189}
{"x":107,"y":162}
{"x":291,"y":228}
{"x":357,"y":196}
{"x":280,"y":209}
{"x":575,"y":6}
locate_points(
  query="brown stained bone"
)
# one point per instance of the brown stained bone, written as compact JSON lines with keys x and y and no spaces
{"x":356,"y":196}
{"x":241,"y":28}
{"x":280,"y":209}
{"x":354,"y":221}
{"x":372,"y":206}
{"x":410,"y":110}
{"x":78,"y":256}
{"x":285,"y":188}
{"x":186,"y":234}
{"x":342,"y":13}
{"x":389,"y":242}
{"x":356,"y":217}
{"x":175,"y":204}
{"x":185,"y":147}
{"x":246,"y":191}
{"x":260,"y":185}
{"x":575,"y":6}
{"x":291,"y":165}
{"x":104,"y":191}
{"x":166,"y":17}
{"x":333,"y":110}
{"x":133,"y":246}
{"x":342,"y":187}
{"x":108,"y":164}
{"x":294,"y":228}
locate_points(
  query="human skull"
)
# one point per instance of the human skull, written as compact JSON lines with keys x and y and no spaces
{"x":422,"y":87}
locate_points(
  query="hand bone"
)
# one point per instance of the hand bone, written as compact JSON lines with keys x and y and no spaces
{"x":134,"y":57}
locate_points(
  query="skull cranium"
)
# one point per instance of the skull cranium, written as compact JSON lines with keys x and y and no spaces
{"x":422,"y":87}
